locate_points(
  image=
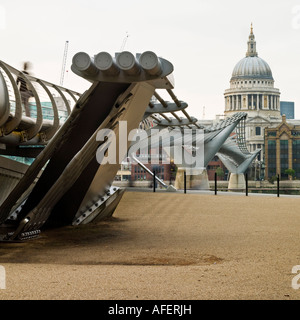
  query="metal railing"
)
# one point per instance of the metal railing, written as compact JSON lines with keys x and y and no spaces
{"x":33,"y":115}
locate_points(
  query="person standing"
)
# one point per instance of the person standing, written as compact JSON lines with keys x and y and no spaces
{"x":24,"y":91}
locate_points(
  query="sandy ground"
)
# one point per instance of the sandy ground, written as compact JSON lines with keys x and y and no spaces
{"x":164,"y":246}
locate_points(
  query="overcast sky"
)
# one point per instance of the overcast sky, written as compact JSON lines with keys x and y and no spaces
{"x":203,"y":39}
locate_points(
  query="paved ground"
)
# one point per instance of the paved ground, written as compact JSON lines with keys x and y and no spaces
{"x":165,"y":246}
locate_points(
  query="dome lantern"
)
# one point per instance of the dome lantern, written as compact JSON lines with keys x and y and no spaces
{"x":251,"y":45}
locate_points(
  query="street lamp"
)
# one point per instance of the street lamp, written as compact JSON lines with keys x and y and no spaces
{"x":255,"y":165}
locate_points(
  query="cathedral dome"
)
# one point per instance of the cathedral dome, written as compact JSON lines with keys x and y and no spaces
{"x":252,"y":89}
{"x":252,"y":67}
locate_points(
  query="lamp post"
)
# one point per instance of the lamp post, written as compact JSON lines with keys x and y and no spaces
{"x":259,"y":170}
{"x":263,"y":169}
{"x":255,"y":165}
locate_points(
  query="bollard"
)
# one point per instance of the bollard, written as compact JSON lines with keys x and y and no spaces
{"x":277,"y":185}
{"x":154,"y":180}
{"x":215,"y":183}
{"x":184,"y":182}
{"x":246,"y":184}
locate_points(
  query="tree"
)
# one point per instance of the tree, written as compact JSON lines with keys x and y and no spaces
{"x":272,"y":179}
{"x":220,"y":172}
{"x":290,"y":173}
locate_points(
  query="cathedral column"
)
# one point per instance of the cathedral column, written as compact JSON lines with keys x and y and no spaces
{"x":257,"y":102}
{"x":252,"y":106}
{"x":247,"y":102}
{"x":271,"y":97}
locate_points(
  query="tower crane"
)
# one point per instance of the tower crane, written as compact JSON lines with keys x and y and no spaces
{"x":64,"y":63}
{"x":124,"y":42}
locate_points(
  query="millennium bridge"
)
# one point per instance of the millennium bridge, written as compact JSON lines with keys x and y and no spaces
{"x":66,"y":184}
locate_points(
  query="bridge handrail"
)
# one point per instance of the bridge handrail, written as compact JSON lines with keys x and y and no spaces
{"x":12,"y":123}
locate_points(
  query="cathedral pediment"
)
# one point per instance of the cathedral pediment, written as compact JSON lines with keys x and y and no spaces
{"x":259,"y":119}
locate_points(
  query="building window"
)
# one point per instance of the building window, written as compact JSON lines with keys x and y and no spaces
{"x":258,"y":131}
{"x":284,"y":157}
{"x":271,"y":158}
{"x":296,"y":157}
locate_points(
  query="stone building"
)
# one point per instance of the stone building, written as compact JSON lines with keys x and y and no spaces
{"x":252,"y":90}
{"x":212,"y":167}
{"x":282,"y":149}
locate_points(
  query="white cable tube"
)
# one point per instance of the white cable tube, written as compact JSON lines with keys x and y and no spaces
{"x":84,"y":63}
{"x":150,"y":63}
{"x":128,"y":63}
{"x":105,"y":63}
